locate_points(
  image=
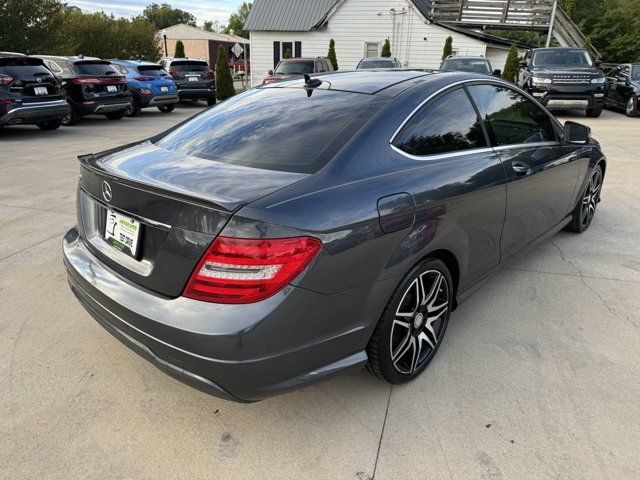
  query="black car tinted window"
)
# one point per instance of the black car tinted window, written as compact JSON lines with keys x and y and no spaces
{"x":94,"y":68}
{"x":448,"y":124}
{"x":273,"y":128}
{"x":636,"y":72}
{"x":152,"y":70}
{"x":22,"y":67}
{"x":562,"y":57}
{"x":295,"y":67}
{"x":189,"y":66}
{"x":511,"y":118}
{"x":376,"y":64}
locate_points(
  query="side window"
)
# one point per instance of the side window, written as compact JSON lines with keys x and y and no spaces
{"x":511,"y":118}
{"x":53,"y":66}
{"x":447,"y":124}
{"x":614,"y":73}
{"x":329,"y":65}
{"x":626,"y":71}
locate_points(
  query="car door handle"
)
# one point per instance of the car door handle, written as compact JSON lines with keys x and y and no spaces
{"x":520,"y":168}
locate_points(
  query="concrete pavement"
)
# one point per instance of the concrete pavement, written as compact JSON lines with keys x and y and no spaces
{"x":538,"y":376}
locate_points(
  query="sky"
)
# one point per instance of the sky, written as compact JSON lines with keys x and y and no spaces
{"x":202,"y":9}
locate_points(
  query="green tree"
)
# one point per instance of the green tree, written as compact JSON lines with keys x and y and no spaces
{"x":331,"y":55}
{"x":587,"y":43}
{"x":287,"y":53}
{"x":211,"y":26}
{"x":386,"y":49}
{"x":27,"y":26}
{"x":165,"y":15}
{"x":237,"y":20}
{"x":224,"y":82}
{"x":511,"y":66}
{"x":179,"y":53}
{"x":448,"y":47}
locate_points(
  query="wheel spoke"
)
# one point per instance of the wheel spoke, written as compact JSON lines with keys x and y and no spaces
{"x":415,"y":287}
{"x":433,"y":291}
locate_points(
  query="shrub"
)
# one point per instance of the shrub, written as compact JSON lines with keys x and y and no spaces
{"x":511,"y":66}
{"x":331,"y":55}
{"x":224,"y":82}
{"x":386,"y":49}
{"x":448,"y":48}
{"x":179,"y":53}
{"x":287,"y":53}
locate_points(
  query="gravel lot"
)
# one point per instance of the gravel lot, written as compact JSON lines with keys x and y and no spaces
{"x":538,"y":377}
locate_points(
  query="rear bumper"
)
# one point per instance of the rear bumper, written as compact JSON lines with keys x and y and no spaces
{"x":237,"y":352}
{"x":196,"y":94}
{"x":100,"y":107}
{"x":33,"y":113}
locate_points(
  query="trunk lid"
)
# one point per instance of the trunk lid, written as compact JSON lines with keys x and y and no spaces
{"x":181,"y":203}
{"x":30,"y":79}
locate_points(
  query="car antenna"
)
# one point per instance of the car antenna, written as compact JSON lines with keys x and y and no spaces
{"x":311,"y":82}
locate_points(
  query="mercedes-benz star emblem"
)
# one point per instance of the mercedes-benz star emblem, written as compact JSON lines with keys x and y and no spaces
{"x":106,"y":191}
{"x":38,"y":79}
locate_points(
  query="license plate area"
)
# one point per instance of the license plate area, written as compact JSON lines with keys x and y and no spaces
{"x":193,"y":79}
{"x":164,"y":89}
{"x":122,"y":232}
{"x":112,"y":88}
{"x":40,"y":90}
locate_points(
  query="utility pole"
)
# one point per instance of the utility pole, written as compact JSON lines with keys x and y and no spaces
{"x":552,"y":22}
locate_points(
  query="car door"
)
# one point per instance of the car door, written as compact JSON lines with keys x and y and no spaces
{"x":623,"y":85}
{"x":542,"y":171}
{"x":523,"y":71}
{"x":461,"y":191}
{"x":611,"y":94}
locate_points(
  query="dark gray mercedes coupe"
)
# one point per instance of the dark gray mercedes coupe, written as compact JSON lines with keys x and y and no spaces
{"x":314,"y":225}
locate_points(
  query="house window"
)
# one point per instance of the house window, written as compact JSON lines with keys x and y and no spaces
{"x":279,"y":49}
{"x":371,"y":49}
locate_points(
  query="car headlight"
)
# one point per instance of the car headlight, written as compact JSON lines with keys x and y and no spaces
{"x":541,"y":80}
{"x":599,"y":80}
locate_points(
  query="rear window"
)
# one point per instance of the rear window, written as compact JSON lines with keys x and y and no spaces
{"x":17,"y":67}
{"x":274,"y":128}
{"x":152,"y":70}
{"x":467,"y":65}
{"x":297,"y":68}
{"x":189,"y":66}
{"x":95,"y":68}
{"x":377,"y":64}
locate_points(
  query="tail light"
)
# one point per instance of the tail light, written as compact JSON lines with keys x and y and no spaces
{"x":82,"y":81}
{"x":242,"y":270}
{"x":173,"y":72}
{"x":5,"y":79}
{"x":210,"y":74}
{"x":144,"y":79}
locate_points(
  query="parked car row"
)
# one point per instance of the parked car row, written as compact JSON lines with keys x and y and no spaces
{"x":49,"y":91}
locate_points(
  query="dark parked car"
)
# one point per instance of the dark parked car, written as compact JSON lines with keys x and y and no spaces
{"x":194,"y":79}
{"x":562,"y":78}
{"x":288,"y":68}
{"x":469,"y":64}
{"x":30,"y":94}
{"x":378,"y":62}
{"x":92,"y":86}
{"x":315,"y":225}
{"x":623,"y":89}
{"x":150,"y":86}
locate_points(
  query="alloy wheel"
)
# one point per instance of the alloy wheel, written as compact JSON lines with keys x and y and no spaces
{"x":419,"y":322}
{"x":590,"y":199}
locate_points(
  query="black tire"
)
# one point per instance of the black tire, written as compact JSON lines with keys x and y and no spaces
{"x":50,"y":125}
{"x":133,"y":110}
{"x":594,"y":112}
{"x":400,"y":350}
{"x":70,"y":118}
{"x":167,"y":108}
{"x":586,"y":208}
{"x":211,"y":102}
{"x":115,"y":115}
{"x":631,"y":107}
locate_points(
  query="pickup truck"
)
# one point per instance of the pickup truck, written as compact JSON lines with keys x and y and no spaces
{"x":563,"y":78}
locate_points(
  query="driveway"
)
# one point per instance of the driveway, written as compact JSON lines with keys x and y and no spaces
{"x":538,"y":376}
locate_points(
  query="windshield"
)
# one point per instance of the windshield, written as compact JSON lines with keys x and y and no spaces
{"x":635,"y":73}
{"x":152,"y":70}
{"x":95,"y":68}
{"x":273,"y":128}
{"x":562,"y":57}
{"x":467,"y":65}
{"x":376,"y":64}
{"x":23,"y":67}
{"x":295,"y":67}
{"x":189,"y":66}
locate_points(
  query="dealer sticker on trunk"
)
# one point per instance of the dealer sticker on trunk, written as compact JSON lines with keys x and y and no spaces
{"x":122,"y":232}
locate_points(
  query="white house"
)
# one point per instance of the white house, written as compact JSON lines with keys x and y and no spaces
{"x":359,"y":28}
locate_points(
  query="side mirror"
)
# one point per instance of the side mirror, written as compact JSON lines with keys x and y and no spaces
{"x":523,"y":64}
{"x":598,"y":63}
{"x":577,"y":133}
{"x":270,"y":72}
{"x":497,"y":72}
